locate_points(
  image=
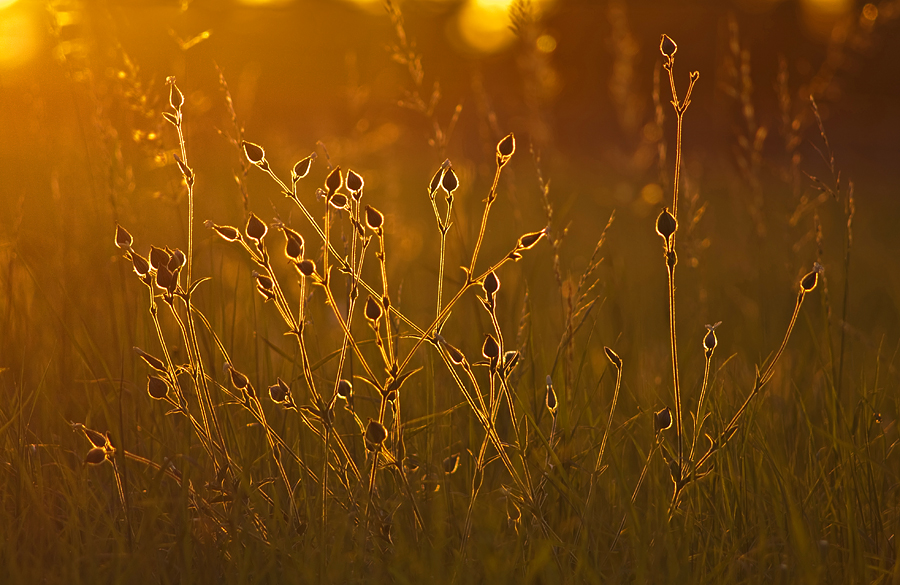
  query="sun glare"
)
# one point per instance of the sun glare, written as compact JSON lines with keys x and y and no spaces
{"x":18,"y":36}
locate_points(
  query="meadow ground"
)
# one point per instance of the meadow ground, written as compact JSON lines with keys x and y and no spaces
{"x":522,"y":356}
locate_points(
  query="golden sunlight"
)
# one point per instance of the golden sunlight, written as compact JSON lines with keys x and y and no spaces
{"x":484,"y":25}
{"x":18,"y":37}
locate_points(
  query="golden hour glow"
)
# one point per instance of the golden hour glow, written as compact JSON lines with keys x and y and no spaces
{"x":18,"y":38}
{"x":870,"y":12}
{"x":7,"y":3}
{"x":546,"y":44}
{"x":484,"y":25}
{"x":265,"y":3}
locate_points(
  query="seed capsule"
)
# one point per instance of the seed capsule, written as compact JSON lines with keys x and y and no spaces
{"x":709,"y":340}
{"x":552,"y":403}
{"x":140,"y":264}
{"x":238,"y":380}
{"x":153,"y":362}
{"x":529,"y":240}
{"x":354,"y":182}
{"x":374,"y":218}
{"x":450,"y":182}
{"x":338,"y":201}
{"x":666,"y":224}
{"x":256,"y":228}
{"x":123,"y":238}
{"x":158,"y":257}
{"x":809,"y":282}
{"x":613,"y":357}
{"x":436,"y":181}
{"x":279,"y":391}
{"x":157,"y":388}
{"x":307,"y":267}
{"x":301,"y":169}
{"x":373,"y":309}
{"x":95,"y":456}
{"x":663,"y":419}
{"x":254,"y":152}
{"x":491,"y":284}
{"x":506,"y":147}
{"x":345,"y":390}
{"x":375,"y":434}
{"x":667,"y":47}
{"x":333,"y":181}
{"x":176,"y":98}
{"x":490,"y":349}
{"x":293,"y":248}
{"x":227,"y":232}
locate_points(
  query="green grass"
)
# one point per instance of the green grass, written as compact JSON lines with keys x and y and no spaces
{"x":522,"y":402}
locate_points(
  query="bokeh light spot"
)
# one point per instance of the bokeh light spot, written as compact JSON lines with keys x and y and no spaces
{"x":652,"y":194}
{"x":546,"y":44}
{"x":870,"y":12}
{"x":18,"y":38}
{"x":484,"y":25}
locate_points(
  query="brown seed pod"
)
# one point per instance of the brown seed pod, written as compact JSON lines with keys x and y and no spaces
{"x":158,"y":257}
{"x":506,"y":148}
{"x":97,"y":439}
{"x":671,"y":258}
{"x":301,"y":169}
{"x":663,"y":419}
{"x":667,"y":47}
{"x":374,"y":218}
{"x":613,"y":357}
{"x":307,"y":267}
{"x":238,"y":380}
{"x":140,"y":264}
{"x":153,"y":362}
{"x":279,"y":391}
{"x":450,"y":182}
{"x":176,"y":98}
{"x":254,"y":152}
{"x":375,"y":434}
{"x":123,"y":238}
{"x":490,"y":349}
{"x":165,"y":279}
{"x":256,"y":228}
{"x":177,"y":260}
{"x":338,"y":201}
{"x":333,"y":181}
{"x":456,"y":356}
{"x":345,"y":390}
{"x":227,"y":232}
{"x":551,"y":401}
{"x":95,"y":456}
{"x":354,"y":182}
{"x":510,"y":359}
{"x":709,"y":340}
{"x":529,"y":240}
{"x":265,"y":282}
{"x":809,"y":282}
{"x":491,"y":284}
{"x":157,"y":388}
{"x":666,"y":224}
{"x":293,"y":248}
{"x":373,"y":309}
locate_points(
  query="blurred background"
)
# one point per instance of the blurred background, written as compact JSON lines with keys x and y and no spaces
{"x":83,"y":145}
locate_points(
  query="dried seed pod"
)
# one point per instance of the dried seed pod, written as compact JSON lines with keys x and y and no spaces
{"x":157,"y":388}
{"x":436,"y":181}
{"x":373,"y":309}
{"x":140,"y":264}
{"x":809,"y":282}
{"x":307,"y":267}
{"x":671,"y":259}
{"x":123,"y":238}
{"x":256,"y":228}
{"x":551,"y":401}
{"x":293,"y":248}
{"x":254,"y":152}
{"x":667,"y":47}
{"x":301,"y":169}
{"x":338,"y":201}
{"x":490,"y":348}
{"x":227,"y":232}
{"x":529,"y":240}
{"x":354,"y":182}
{"x":165,"y":279}
{"x":456,"y":356}
{"x":176,"y":98}
{"x":450,"y":464}
{"x":95,"y":456}
{"x":491,"y":284}
{"x":238,"y":380}
{"x":449,"y":182}
{"x":663,"y":420}
{"x":506,"y":148}
{"x":97,"y":439}
{"x":666,"y":224}
{"x":177,"y":260}
{"x":374,"y":218}
{"x":375,"y":434}
{"x":510,"y":359}
{"x":158,"y":257}
{"x":613,"y":357}
{"x":264,"y":281}
{"x":333,"y":181}
{"x":153,"y":362}
{"x":709,"y":340}
{"x":279,"y":391}
{"x":345,"y":390}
